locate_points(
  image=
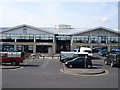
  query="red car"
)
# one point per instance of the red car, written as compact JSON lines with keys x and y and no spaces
{"x":15,"y":58}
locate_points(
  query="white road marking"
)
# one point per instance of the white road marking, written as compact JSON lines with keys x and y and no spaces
{"x":45,"y":64}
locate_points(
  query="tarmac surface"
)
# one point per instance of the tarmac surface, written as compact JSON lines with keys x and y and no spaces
{"x":47,"y":73}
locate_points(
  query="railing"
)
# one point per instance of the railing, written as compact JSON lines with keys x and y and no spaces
{"x":40,"y":56}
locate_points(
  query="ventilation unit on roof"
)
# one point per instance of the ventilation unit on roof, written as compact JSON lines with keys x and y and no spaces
{"x":63,"y":26}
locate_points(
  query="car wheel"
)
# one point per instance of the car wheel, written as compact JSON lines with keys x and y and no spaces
{"x":106,"y":63}
{"x":89,"y":66}
{"x":18,"y":63}
{"x":111,"y":64}
{"x":13,"y":63}
{"x":70,"y":66}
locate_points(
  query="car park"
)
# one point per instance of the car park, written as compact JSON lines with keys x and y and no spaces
{"x":79,"y":62}
{"x":112,"y":59}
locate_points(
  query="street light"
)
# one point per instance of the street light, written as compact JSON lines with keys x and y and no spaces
{"x":85,"y":61}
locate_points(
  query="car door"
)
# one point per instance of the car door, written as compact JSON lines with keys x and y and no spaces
{"x":118,"y":59}
{"x":3,"y":57}
{"x":79,"y":62}
{"x":109,"y":58}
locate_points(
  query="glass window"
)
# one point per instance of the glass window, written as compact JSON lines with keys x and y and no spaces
{"x":8,"y":36}
{"x":19,"y":47}
{"x":22,"y":36}
{"x":37,"y":36}
{"x":81,"y":39}
{"x":27,"y":36}
{"x":31,"y":37}
{"x":30,"y":47}
{"x":63,"y":37}
{"x":94,"y":39}
{"x":24,"y":30}
{"x":114,"y":40}
{"x":12,"y":36}
{"x":0,"y":36}
{"x":4,"y":36}
{"x":18,"y":36}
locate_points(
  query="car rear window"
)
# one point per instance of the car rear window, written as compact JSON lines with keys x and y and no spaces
{"x":3,"y":55}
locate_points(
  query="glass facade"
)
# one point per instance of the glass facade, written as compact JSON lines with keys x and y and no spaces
{"x":80,"y":39}
{"x":63,"y":37}
{"x":62,"y":42}
{"x":25,"y":48}
{"x":95,"y":39}
{"x":25,"y":37}
{"x":44,"y":37}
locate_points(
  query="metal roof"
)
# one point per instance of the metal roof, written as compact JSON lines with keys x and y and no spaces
{"x":72,"y":31}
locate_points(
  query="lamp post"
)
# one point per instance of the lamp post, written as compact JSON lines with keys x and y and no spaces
{"x":85,"y":61}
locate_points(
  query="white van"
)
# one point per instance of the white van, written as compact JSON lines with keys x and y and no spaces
{"x":87,"y":50}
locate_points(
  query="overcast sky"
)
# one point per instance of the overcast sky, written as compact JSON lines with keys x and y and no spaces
{"x":77,"y":14}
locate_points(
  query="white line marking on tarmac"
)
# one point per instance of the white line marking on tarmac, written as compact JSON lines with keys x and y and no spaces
{"x":45,"y":63}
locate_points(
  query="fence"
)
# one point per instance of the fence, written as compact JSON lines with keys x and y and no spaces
{"x":43,"y":56}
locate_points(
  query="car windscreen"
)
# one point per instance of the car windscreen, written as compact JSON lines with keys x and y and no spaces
{"x":89,"y":51}
{"x":80,"y":55}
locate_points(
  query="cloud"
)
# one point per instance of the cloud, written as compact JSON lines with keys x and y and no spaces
{"x":104,"y":19}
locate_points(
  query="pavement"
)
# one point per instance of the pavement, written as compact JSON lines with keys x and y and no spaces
{"x":84,"y":71}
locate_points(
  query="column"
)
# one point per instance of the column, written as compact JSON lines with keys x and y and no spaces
{"x":15,"y":38}
{"x":54,"y":38}
{"x":34,"y":39}
{"x":34,"y":48}
{"x":91,"y":46}
{"x":15,"y":47}
{"x":54,"y":48}
{"x":89,"y":39}
{"x":109,"y":48}
{"x":71,"y":43}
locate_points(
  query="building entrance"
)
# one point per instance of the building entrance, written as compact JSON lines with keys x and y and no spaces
{"x":42,"y":48}
{"x":63,"y":45}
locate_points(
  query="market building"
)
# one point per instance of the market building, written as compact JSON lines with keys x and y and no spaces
{"x":59,"y":38}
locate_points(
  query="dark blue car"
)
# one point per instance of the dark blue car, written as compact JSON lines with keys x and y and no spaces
{"x":103,"y":53}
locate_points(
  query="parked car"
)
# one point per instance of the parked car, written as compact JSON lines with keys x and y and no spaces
{"x":112,"y":53}
{"x":66,"y":56}
{"x":15,"y":58}
{"x":86,"y":50}
{"x":79,"y":62}
{"x":112,"y":59}
{"x":96,"y":49}
{"x":103,"y":53}
{"x":115,"y":50}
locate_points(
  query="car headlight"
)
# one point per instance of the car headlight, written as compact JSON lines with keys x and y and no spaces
{"x":66,"y":62}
